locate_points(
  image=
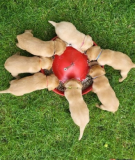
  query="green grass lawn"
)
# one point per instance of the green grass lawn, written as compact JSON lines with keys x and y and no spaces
{"x":38,"y":126}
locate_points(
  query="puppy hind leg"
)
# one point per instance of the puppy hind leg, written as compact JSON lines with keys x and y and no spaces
{"x":105,"y":108}
{"x":17,"y":77}
{"x":13,"y":81}
{"x":101,"y":106}
{"x":18,"y":45}
{"x":28,"y":31}
{"x":18,"y":53}
{"x":14,"y":75}
{"x":124,"y":75}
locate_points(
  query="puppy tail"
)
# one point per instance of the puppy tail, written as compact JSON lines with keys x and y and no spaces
{"x":5,"y":91}
{"x":28,"y":31}
{"x":81,"y":132}
{"x":53,"y":23}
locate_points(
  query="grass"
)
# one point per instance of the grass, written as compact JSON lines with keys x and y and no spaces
{"x":38,"y":126}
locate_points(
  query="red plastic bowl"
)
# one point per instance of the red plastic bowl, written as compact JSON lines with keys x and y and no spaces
{"x":71,"y":64}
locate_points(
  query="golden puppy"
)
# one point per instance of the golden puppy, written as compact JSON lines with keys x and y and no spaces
{"x":68,"y":33}
{"x":102,"y":88}
{"x":117,"y":60}
{"x":38,"y":81}
{"x":20,"y":64}
{"x":77,"y":106}
{"x":35,"y":46}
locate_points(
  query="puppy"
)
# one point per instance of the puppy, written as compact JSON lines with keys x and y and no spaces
{"x":35,"y":46}
{"x":77,"y":106}
{"x":20,"y":64}
{"x":117,"y":60}
{"x":68,"y":33}
{"x":102,"y":88}
{"x":38,"y":81}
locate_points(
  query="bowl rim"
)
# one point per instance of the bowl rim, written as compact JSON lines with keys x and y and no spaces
{"x":85,"y":91}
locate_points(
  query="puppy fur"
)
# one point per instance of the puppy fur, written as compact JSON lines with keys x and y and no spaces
{"x":35,"y":46}
{"x":20,"y":64}
{"x":117,"y":60}
{"x":38,"y":81}
{"x":102,"y":88}
{"x":68,"y":33}
{"x":77,"y":106}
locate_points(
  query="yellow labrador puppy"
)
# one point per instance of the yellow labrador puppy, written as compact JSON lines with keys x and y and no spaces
{"x":77,"y":106}
{"x":117,"y":60}
{"x":20,"y":64}
{"x":35,"y":46}
{"x":102,"y":88}
{"x":38,"y":81}
{"x":68,"y":33}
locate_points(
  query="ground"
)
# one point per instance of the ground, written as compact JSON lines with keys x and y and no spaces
{"x":38,"y":126}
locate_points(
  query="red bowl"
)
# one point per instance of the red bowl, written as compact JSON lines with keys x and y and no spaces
{"x":71,"y":64}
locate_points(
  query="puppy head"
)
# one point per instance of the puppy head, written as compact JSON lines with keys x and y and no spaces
{"x":96,"y":70}
{"x":87,"y":43}
{"x":46,"y":62}
{"x":60,"y":46}
{"x":73,"y":83}
{"x":53,"y":82}
{"x":93,"y":52}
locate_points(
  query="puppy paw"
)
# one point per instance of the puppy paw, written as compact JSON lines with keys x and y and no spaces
{"x":17,"y":77}
{"x":18,"y":53}
{"x":121,"y":79}
{"x":97,"y":106}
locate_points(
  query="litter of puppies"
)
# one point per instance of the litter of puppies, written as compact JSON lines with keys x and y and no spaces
{"x":43,"y":52}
